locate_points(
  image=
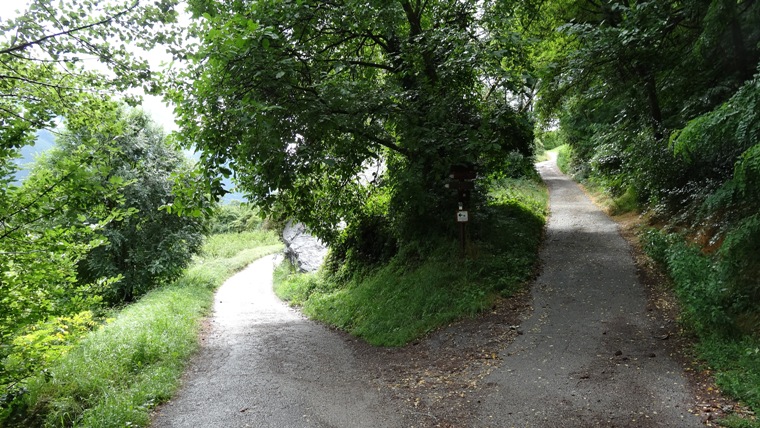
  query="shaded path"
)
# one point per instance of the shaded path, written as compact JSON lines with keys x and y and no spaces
{"x":589,"y":355}
{"x":264,"y":365}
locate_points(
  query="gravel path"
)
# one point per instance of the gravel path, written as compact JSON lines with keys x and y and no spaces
{"x":263,"y":365}
{"x":590,"y":354}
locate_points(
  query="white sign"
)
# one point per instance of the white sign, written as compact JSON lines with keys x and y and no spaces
{"x":462,"y":217}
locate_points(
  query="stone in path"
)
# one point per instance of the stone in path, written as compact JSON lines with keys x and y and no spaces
{"x":264,"y":365}
{"x":589,"y":354}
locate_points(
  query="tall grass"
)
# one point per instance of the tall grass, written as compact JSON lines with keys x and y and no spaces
{"x":117,"y":374}
{"x":405,"y":299}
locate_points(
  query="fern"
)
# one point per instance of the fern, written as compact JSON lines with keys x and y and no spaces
{"x":747,"y":173}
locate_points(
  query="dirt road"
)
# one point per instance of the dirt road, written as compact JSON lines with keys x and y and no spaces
{"x":263,"y":365}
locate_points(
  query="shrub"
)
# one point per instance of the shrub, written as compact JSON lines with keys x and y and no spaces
{"x":235,"y":217}
{"x":151,"y":246}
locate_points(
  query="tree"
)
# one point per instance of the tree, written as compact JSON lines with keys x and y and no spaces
{"x":624,"y":75}
{"x":43,"y":53}
{"x":88,"y":229}
{"x":43,"y":78}
{"x":39,"y":255}
{"x":150,"y":246}
{"x":298,"y":98}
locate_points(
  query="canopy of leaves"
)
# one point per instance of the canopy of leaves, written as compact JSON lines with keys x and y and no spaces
{"x":624,"y":75}
{"x":43,"y":53}
{"x":316,"y":106}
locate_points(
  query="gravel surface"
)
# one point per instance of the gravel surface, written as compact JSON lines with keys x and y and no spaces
{"x":585,"y":347}
{"x":591,"y":354}
{"x":262,"y":364}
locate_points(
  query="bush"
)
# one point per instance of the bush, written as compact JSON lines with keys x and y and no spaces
{"x":367,"y":242}
{"x":149,"y":246}
{"x":548,"y":140}
{"x":235,"y":217}
{"x":740,"y":272}
{"x":719,"y":293}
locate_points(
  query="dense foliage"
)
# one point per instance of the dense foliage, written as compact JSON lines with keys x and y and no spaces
{"x":236,"y":217}
{"x":659,"y":102}
{"x":629,"y":77}
{"x":40,"y":256}
{"x":317,"y":107}
{"x":151,"y":246}
{"x":87,"y":229}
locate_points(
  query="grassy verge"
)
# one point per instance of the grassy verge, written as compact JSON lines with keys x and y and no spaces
{"x":613,"y":204}
{"x":406,"y":299}
{"x":728,"y":352}
{"x":118,"y":373}
{"x":564,"y":157}
{"x":542,"y":156}
{"x":735,"y":363}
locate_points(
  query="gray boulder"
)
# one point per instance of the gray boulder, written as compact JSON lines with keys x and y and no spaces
{"x":306,"y":252}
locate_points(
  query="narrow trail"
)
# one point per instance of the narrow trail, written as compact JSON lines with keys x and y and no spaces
{"x":262,"y":364}
{"x":590,"y":353}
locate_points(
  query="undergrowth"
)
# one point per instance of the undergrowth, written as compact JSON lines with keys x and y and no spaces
{"x":118,"y":373}
{"x":564,"y":158}
{"x":412,"y":294}
{"x":613,"y":196}
{"x":724,"y":318}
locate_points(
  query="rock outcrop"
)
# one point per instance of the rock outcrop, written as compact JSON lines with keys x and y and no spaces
{"x":306,"y":252}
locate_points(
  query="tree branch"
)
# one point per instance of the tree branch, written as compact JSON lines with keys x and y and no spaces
{"x":385,"y":143}
{"x":23,"y":46}
{"x":38,"y":83}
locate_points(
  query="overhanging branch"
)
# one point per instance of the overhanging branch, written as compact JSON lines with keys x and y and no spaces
{"x":385,"y":143}
{"x":22,"y":46}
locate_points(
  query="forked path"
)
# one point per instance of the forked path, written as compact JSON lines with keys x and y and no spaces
{"x":262,"y":365}
{"x":590,"y":353}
